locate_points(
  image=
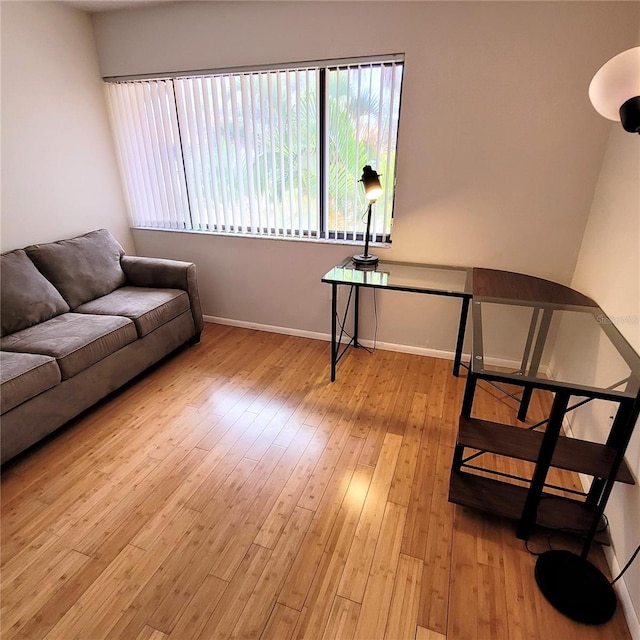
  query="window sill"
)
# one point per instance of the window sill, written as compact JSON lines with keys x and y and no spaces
{"x":352,"y":243}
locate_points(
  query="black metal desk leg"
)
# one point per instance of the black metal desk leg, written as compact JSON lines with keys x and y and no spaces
{"x":619,"y":437}
{"x":469,"y":392}
{"x":525,"y":400}
{"x":356,"y":317}
{"x":334,"y":346}
{"x":530,"y":510}
{"x":618,"y":440}
{"x":464,"y":311}
{"x":541,"y":340}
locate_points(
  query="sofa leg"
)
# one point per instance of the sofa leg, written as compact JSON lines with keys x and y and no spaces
{"x":195,"y":339}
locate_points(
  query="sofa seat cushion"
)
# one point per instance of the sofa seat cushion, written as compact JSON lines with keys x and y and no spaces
{"x":26,"y":296}
{"x":81,"y":268}
{"x":148,"y":308}
{"x":75,"y":340}
{"x":25,"y":375}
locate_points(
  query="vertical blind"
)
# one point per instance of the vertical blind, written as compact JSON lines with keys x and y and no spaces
{"x":244,"y":150}
{"x":364,"y":108}
{"x":147,"y":136}
{"x":254,"y":153}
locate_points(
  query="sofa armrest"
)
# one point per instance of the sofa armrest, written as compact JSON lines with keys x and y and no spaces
{"x":167,"y":274}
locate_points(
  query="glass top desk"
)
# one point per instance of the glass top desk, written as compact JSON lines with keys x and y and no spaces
{"x":394,"y":276}
{"x":545,"y":333}
{"x":560,"y":348}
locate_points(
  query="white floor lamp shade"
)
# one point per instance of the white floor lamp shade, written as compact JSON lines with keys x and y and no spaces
{"x":615,"y":89}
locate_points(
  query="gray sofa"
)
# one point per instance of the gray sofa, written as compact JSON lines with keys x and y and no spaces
{"x":79,"y":319}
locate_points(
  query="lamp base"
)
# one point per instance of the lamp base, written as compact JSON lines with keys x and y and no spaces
{"x":365,"y":259}
{"x":575,"y":587}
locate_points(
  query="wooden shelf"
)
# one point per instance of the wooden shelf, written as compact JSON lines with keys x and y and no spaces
{"x":507,"y":500}
{"x":571,"y":454}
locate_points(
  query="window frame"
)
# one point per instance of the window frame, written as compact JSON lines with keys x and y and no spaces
{"x":324,"y":233}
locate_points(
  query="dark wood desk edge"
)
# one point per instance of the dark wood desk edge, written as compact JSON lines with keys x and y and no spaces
{"x":493,"y":283}
{"x":507,"y":285}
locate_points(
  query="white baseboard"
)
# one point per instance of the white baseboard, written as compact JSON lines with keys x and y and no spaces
{"x":300,"y":333}
{"x":624,"y":597}
{"x":384,"y":346}
{"x":315,"y":335}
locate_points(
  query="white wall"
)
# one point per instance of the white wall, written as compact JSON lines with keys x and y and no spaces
{"x":59,"y":172}
{"x":608,"y":270}
{"x":499,"y":148}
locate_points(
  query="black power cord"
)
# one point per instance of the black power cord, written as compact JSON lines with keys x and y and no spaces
{"x":568,"y":530}
{"x":375,"y":331}
{"x":626,"y":566}
{"x":539,"y":553}
{"x":579,"y":531}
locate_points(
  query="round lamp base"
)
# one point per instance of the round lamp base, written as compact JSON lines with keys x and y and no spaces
{"x":575,"y":587}
{"x":362,"y":259}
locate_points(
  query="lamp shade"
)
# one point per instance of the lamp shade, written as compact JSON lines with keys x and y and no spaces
{"x":616,"y":85}
{"x":371,"y":183}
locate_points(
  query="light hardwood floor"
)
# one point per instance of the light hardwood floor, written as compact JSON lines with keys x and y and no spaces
{"x":234,"y":492}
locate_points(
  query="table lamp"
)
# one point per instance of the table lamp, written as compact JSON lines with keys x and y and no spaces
{"x":372,"y":191}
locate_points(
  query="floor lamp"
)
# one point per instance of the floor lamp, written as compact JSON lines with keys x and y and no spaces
{"x":372,"y":191}
{"x":568,"y":581}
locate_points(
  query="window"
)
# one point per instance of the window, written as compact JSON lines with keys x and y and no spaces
{"x":274,"y":152}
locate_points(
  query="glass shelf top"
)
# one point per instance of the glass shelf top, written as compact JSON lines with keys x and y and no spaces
{"x":443,"y":280}
{"x":553,"y":346}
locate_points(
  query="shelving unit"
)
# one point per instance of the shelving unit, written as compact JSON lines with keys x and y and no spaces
{"x":506,"y":499}
{"x":556,"y":314}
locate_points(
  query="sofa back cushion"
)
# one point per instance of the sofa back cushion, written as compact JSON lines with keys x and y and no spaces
{"x":82,"y":268}
{"x":26,"y":296}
